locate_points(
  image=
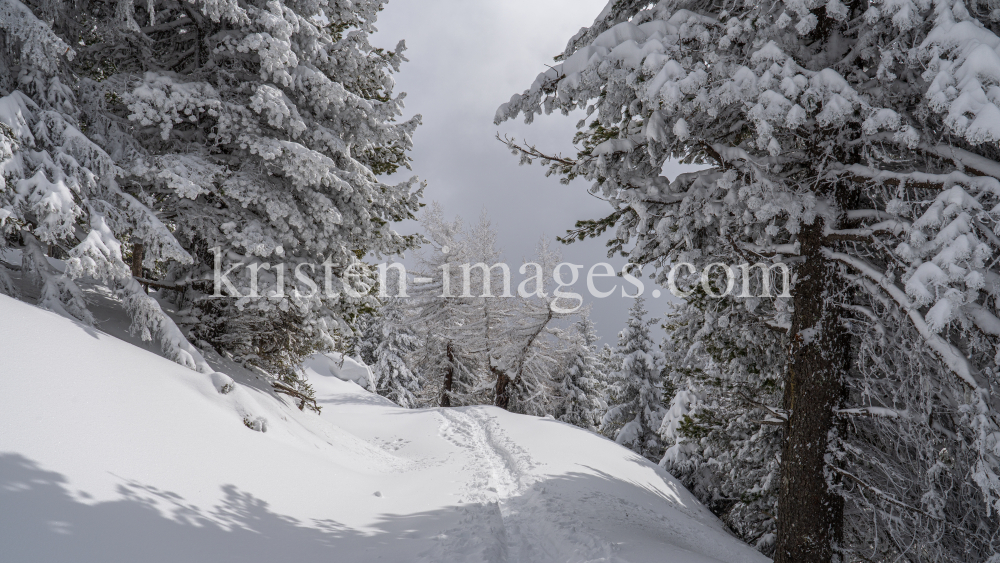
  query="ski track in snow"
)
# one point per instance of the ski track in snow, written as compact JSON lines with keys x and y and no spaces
{"x":507,"y":517}
{"x":497,"y":463}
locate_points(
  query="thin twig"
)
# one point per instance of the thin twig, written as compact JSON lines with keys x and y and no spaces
{"x":534,"y":152}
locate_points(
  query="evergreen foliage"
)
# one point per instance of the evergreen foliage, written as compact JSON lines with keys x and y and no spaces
{"x":577,"y":391}
{"x":723,"y":424}
{"x":392,"y":341}
{"x":635,"y":410}
{"x":856,"y":143}
{"x":181,"y":135}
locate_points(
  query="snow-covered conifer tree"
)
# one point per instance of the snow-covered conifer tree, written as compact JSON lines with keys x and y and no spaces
{"x":577,"y":384}
{"x":60,"y":189}
{"x":722,"y":427}
{"x":609,"y":362}
{"x":493,"y":303}
{"x":636,"y":409}
{"x":182,"y":136}
{"x":856,"y":143}
{"x":393,"y":342}
{"x":609,"y":359}
{"x":365,"y":338}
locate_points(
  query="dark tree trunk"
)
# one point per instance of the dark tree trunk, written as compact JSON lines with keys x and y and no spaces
{"x":449,"y":377}
{"x":809,"y":515}
{"x":138,"y":250}
{"x":137,"y":255}
{"x":502,"y":392}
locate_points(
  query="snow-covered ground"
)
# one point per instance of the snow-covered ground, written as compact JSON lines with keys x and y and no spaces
{"x":110,"y":453}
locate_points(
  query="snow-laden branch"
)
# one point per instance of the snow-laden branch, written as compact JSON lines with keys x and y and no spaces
{"x":532,"y":152}
{"x":867,"y":311}
{"x":791,"y":249}
{"x":952,"y":357}
{"x":892,"y":226}
{"x":917,"y":178}
{"x":970,"y":161}
{"x":880,"y":412}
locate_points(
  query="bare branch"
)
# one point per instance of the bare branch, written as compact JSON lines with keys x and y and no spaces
{"x":533,"y":152}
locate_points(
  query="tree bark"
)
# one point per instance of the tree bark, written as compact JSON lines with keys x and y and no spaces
{"x":137,"y":256}
{"x":449,"y":377}
{"x":810,"y":516}
{"x":502,"y":391}
{"x":138,"y":250}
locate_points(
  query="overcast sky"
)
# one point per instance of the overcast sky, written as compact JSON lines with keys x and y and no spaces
{"x":466,"y":58}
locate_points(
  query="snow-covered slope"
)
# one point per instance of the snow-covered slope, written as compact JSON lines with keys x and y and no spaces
{"x":110,"y":453}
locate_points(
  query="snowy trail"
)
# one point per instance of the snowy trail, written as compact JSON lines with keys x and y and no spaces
{"x":506,"y":519}
{"x":497,"y":467}
{"x":363,"y":481}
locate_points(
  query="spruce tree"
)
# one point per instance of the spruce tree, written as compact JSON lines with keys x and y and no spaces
{"x":365,"y":338}
{"x":609,"y":362}
{"x":392,"y":343}
{"x":723,"y":424}
{"x":577,"y":385}
{"x":175,"y":135}
{"x":635,"y":410}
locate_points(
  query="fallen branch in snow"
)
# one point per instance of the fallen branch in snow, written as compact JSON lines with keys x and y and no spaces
{"x":10,"y":266}
{"x":303,"y":399}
